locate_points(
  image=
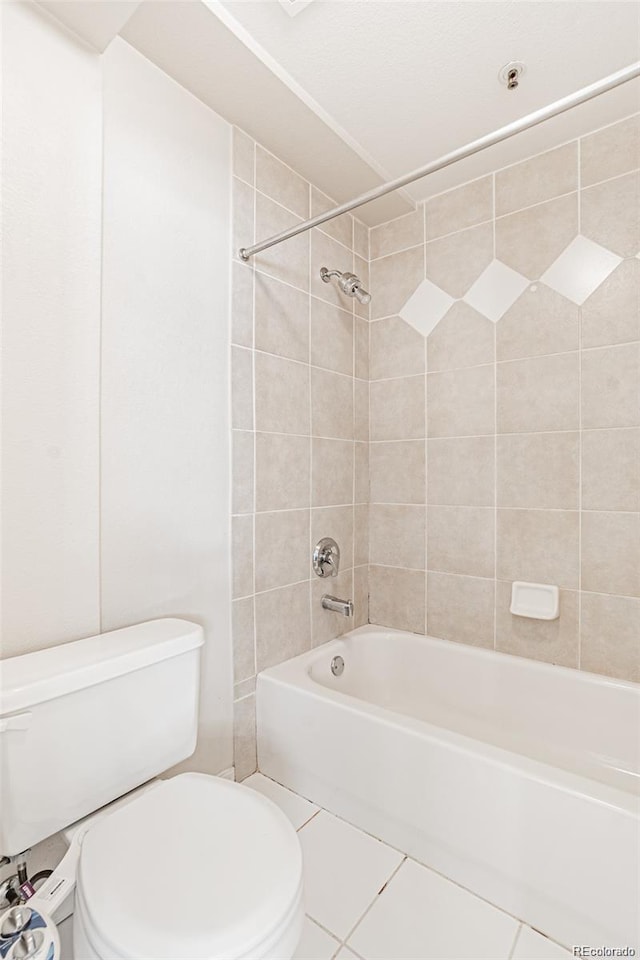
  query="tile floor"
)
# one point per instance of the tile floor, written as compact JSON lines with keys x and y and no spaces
{"x":367,"y":901}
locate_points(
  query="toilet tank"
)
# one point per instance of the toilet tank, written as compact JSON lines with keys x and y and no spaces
{"x":87,"y":721}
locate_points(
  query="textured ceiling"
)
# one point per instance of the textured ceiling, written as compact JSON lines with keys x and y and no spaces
{"x":353,"y":92}
{"x":410,"y":81}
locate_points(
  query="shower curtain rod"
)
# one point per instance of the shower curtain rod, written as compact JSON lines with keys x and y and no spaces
{"x":531,"y":120}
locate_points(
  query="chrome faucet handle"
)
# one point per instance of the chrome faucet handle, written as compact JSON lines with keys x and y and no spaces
{"x":326,"y":558}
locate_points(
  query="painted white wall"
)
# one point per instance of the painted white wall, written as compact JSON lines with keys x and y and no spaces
{"x":165,"y":451}
{"x":52,"y":148}
{"x":115,"y":424}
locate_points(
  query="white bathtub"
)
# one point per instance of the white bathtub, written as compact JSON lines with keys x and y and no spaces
{"x":518,"y":780}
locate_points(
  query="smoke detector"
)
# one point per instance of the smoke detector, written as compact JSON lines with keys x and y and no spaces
{"x":511,"y":74}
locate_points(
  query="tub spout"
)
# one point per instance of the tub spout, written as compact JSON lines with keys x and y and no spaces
{"x":345,"y":607}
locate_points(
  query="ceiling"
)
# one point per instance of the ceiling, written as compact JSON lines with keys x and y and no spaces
{"x":354,"y":92}
{"x":411,"y":81}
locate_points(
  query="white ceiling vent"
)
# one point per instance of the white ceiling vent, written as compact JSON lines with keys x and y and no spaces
{"x":294,"y":7}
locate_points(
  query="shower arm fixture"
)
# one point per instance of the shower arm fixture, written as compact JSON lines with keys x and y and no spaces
{"x":348,"y":283}
{"x":503,"y":133}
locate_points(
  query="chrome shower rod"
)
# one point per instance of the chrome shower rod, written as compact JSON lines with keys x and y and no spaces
{"x":510,"y":130}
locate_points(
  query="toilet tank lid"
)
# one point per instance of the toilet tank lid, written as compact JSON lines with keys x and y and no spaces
{"x":33,"y":678}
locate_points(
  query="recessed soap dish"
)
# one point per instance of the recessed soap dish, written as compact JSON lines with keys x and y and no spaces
{"x":539,"y":601}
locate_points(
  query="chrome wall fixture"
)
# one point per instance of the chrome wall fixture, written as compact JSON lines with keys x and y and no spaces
{"x":503,"y":133}
{"x":348,"y":283}
{"x":326,"y":558}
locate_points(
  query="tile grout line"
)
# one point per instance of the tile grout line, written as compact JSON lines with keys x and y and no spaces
{"x":495,"y":443}
{"x":426,"y":445}
{"x":405,"y":857}
{"x":580,"y":513}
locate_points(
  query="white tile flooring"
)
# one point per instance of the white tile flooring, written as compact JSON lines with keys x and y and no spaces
{"x":367,"y":901}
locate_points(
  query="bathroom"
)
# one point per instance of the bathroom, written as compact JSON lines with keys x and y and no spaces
{"x":320,"y":591}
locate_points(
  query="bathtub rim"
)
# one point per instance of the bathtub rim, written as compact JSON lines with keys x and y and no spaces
{"x":296,"y":673}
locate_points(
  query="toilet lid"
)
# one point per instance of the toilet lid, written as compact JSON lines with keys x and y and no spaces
{"x":200,"y":867}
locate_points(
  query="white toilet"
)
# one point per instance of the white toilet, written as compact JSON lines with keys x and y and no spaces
{"x":192,"y":867}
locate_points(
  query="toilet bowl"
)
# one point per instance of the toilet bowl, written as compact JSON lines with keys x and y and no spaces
{"x":199,"y":867}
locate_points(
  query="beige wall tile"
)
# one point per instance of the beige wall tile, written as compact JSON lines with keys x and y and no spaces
{"x":331,"y":337}
{"x":455,"y":262}
{"x":242,"y":204}
{"x":281,"y":183}
{"x":538,"y":470}
{"x":241,"y":389}
{"x":242,"y":550}
{"x":460,"y":472}
{"x":540,"y":322}
{"x":361,"y":409}
{"x":397,"y":536}
{"x":361,"y":596}
{"x":610,"y":152}
{"x":244,"y":737}
{"x":361,"y":348}
{"x":326,"y":625}
{"x":466,"y":206}
{"x":396,"y":349}
{"x":360,"y":238}
{"x":244,"y":688}
{"x":242,"y":304}
{"x":282,"y":395}
{"x":611,"y":553}
{"x":397,"y":471}
{"x":554,"y":641}
{"x":242,"y":472}
{"x":461,"y":540}
{"x":397,"y":409}
{"x":332,"y":474}
{"x":612,"y":313}
{"x":609,"y":636}
{"x":361,"y":472}
{"x":397,"y":598}
{"x":611,"y":469}
{"x":540,"y":178}
{"x":361,"y":534}
{"x":341,"y":228}
{"x":335,"y":522}
{"x":327,"y":252}
{"x":393,"y":280}
{"x":538,"y":394}
{"x":611,"y":214}
{"x":282,"y":548}
{"x":460,"y":608}
{"x":331,"y":404}
{"x":395,"y":235}
{"x":282,"y":472}
{"x":530,"y":240}
{"x":283,"y":624}
{"x":538,"y":545}
{"x":460,"y":403}
{"x":242,"y":627}
{"x":463,"y":338}
{"x":288,"y":261}
{"x":282,"y":319}
{"x":243,"y":149}
{"x":610,"y":394}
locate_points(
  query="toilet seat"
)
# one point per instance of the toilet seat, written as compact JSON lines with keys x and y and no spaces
{"x":199,"y":868}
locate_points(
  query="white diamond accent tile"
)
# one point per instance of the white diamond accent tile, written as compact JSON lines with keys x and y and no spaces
{"x":580,"y":269}
{"x":426,"y":307}
{"x":495,"y":290}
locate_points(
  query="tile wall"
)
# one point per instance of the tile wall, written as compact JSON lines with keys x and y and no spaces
{"x":505,"y":444}
{"x":300,"y":426}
